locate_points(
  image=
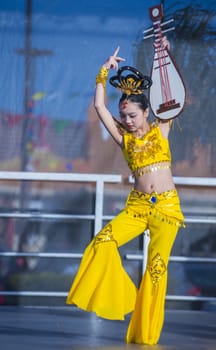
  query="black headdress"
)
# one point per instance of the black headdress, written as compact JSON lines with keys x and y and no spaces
{"x":133,"y":83}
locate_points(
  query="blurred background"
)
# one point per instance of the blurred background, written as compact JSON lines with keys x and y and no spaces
{"x":50,"y":54}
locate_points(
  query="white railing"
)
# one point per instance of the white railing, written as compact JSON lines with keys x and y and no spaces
{"x":99,"y":180}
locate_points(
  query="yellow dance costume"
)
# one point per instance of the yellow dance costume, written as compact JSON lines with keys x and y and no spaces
{"x":101,"y":283}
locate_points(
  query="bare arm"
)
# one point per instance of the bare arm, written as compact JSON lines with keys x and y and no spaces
{"x":165,"y":124}
{"x":99,"y":100}
{"x":165,"y":127}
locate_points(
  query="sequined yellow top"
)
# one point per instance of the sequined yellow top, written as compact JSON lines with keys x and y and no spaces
{"x":147,"y":154}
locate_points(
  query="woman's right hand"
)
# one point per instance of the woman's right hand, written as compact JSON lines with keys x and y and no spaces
{"x":99,"y":101}
{"x":113,"y":61}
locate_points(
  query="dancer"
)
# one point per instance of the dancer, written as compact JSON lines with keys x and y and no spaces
{"x":101,"y":283}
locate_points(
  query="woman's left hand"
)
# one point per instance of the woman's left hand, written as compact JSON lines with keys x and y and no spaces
{"x":164,"y":43}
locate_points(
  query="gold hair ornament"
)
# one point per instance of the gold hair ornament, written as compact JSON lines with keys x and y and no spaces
{"x":132,"y":84}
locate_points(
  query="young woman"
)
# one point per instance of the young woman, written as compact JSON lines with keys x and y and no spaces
{"x":101,"y":283}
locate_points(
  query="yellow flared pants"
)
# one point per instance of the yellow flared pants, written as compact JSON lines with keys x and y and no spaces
{"x":102,"y":285}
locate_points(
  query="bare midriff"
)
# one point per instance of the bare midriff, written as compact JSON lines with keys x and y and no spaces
{"x":157,"y":177}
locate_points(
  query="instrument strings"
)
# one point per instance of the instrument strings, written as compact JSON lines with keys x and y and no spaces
{"x":164,"y":77}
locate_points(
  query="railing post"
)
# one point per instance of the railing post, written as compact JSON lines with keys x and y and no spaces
{"x":146,"y":238}
{"x":99,"y":194}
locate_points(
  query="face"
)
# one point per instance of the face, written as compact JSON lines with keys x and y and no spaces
{"x":132,"y":116}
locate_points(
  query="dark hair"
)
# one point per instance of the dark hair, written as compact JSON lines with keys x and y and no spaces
{"x":141,"y":99}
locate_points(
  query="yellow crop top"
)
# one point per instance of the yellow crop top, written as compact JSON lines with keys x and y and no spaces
{"x":147,"y":154}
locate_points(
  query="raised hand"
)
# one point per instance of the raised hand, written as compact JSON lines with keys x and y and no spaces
{"x":163,"y":43}
{"x":113,"y":61}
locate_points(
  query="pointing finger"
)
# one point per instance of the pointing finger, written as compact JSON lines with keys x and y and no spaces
{"x":120,"y":59}
{"x":116,"y":51}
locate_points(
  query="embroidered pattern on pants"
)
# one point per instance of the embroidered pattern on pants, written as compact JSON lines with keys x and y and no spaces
{"x":105,"y":235}
{"x":156,"y":268}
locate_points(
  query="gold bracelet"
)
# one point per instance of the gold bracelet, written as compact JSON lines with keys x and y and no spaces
{"x":102,"y":76}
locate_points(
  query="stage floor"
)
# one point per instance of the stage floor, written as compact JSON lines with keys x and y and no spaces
{"x":67,"y":328}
